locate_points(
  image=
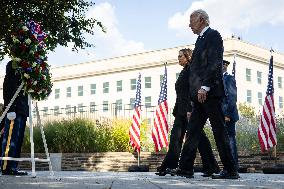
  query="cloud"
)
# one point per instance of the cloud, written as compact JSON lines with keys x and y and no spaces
{"x":231,"y":15}
{"x":109,"y":44}
{"x":112,"y":43}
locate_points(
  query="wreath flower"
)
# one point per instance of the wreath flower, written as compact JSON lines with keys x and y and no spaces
{"x":28,"y":53}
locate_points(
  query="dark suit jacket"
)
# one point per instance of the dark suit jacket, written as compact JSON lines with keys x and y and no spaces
{"x":183,"y":103}
{"x":206,"y":65}
{"x":229,"y":105}
{"x":11,"y":83}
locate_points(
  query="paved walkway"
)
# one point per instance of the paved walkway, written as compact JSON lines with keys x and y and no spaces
{"x":142,"y":180}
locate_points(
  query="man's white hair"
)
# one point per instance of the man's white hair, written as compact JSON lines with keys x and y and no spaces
{"x":201,"y":13}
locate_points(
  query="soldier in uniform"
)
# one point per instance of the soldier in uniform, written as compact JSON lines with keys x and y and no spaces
{"x":15,"y":122}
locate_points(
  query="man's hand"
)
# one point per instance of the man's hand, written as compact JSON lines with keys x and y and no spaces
{"x":188,"y":115}
{"x":11,"y":115}
{"x":227,"y":119}
{"x":202,"y":95}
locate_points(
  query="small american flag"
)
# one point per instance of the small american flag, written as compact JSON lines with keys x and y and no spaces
{"x":160,"y":127}
{"x":134,"y":131}
{"x":267,"y":127}
{"x":234,"y":69}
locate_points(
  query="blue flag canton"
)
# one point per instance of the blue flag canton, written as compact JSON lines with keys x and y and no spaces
{"x":270,"y":88}
{"x":138,"y":93}
{"x":163,"y":92}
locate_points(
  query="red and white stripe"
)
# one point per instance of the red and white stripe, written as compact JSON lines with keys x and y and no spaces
{"x":134,"y":131}
{"x":160,"y":127}
{"x":267,"y":127}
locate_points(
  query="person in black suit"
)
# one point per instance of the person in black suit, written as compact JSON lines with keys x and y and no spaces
{"x":15,"y":122}
{"x":182,"y":111}
{"x":230,"y":109}
{"x":206,"y":93}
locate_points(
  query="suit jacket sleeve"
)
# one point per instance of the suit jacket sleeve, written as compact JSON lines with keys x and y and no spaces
{"x":231,"y":96}
{"x":214,"y":58}
{"x":10,"y":86}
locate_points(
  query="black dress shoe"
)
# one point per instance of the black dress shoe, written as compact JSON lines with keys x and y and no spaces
{"x":14,"y":172}
{"x":209,"y":173}
{"x":164,"y":172}
{"x":226,"y":175}
{"x":183,"y":173}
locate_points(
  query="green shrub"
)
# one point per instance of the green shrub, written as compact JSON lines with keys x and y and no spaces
{"x":83,"y":136}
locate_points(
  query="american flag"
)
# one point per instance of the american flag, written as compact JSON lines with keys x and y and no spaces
{"x":267,"y":127}
{"x":134,"y":131}
{"x":160,"y":127}
{"x":234,"y":69}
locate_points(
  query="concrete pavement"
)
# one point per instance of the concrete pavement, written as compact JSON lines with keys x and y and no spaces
{"x":136,"y":180}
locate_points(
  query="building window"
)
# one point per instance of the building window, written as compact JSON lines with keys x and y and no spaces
{"x":80,"y":108}
{"x":249,"y":96}
{"x":80,"y":90}
{"x":118,"y":104}
{"x":68,"y":92}
{"x":92,"y":107}
{"x":259,"y":77}
{"x":105,"y":106}
{"x":57,"y":93}
{"x":248,"y":74}
{"x":105,"y":87}
{"x":119,"y":85}
{"x":147,"y":82}
{"x":177,"y":75}
{"x":93,"y":89}
{"x":131,"y":103}
{"x":148,"y":101}
{"x":45,"y":111}
{"x":259,"y":97}
{"x":280,"y":102}
{"x":56,"y":110}
{"x":280,"y":82}
{"x":132,"y":84}
{"x":68,"y":109}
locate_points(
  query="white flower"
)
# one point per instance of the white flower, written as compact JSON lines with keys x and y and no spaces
{"x":28,"y":41}
{"x":16,"y":59}
{"x":31,"y":52}
{"x":26,"y":75}
{"x":34,"y":64}
{"x":15,"y":40}
{"x":44,"y":77}
{"x":25,"y":28}
{"x":35,"y":82}
{"x":31,"y":90}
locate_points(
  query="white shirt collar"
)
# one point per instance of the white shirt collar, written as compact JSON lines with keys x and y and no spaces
{"x":225,"y":73}
{"x":204,"y":30}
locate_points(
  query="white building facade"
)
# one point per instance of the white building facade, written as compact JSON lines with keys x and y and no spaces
{"x":107,"y":87}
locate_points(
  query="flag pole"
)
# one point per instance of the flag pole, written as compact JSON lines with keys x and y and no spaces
{"x":138,"y":151}
{"x":275,"y":147}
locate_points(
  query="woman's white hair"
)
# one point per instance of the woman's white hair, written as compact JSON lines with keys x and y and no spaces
{"x":201,"y":13}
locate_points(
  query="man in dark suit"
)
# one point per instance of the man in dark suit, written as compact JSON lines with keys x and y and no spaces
{"x":230,"y":108}
{"x":182,"y":111}
{"x":206,"y":93}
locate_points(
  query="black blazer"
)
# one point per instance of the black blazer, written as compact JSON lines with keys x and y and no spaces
{"x":206,"y":65}
{"x":183,"y":103}
{"x":229,"y":104}
{"x":11,"y":83}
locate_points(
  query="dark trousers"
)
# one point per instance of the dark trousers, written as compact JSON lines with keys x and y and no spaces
{"x":176,"y":139}
{"x":211,"y":109}
{"x":231,"y":129}
{"x":12,"y":141}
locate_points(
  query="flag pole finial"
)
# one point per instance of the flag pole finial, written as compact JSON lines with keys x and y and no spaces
{"x":271,"y":51}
